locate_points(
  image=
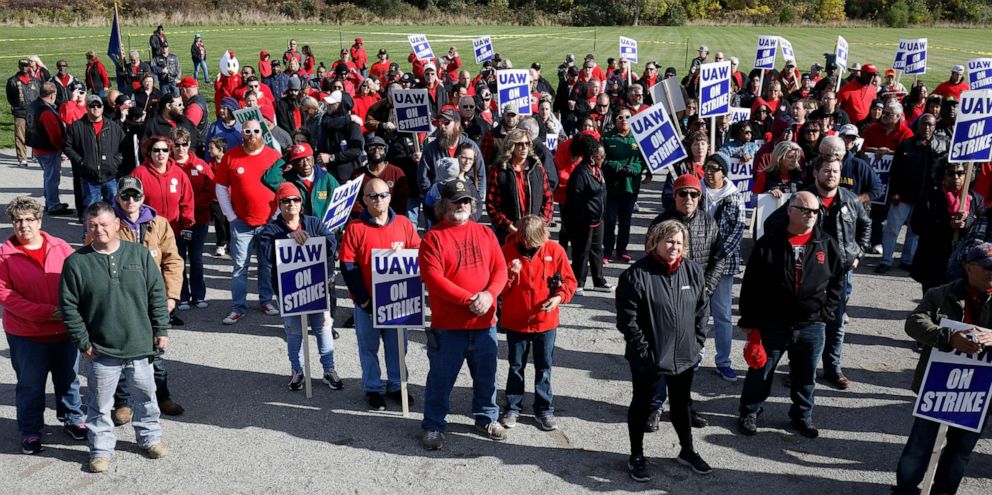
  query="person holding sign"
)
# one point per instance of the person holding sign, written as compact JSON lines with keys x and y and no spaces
{"x":464,"y":271}
{"x":966,"y":300}
{"x":291,"y":223}
{"x":377,"y":227}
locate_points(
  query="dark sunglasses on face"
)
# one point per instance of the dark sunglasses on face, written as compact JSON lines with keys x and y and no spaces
{"x":130,"y":196}
{"x":95,"y":105}
{"x":955,"y":173}
{"x":160,"y":150}
{"x":375,"y":196}
{"x":468,"y":107}
{"x":182,"y":145}
{"x":688,"y":193}
{"x":464,"y":201}
{"x":289,"y":201}
{"x":805,"y":211}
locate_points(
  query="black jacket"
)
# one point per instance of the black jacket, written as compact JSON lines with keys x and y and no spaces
{"x":503,"y":194}
{"x":912,"y":170}
{"x":662,"y":315}
{"x":704,"y":244}
{"x":769,"y":299}
{"x":342,"y":139}
{"x":284,"y":115}
{"x":20,"y":95}
{"x":201,"y":128}
{"x":96,"y":159}
{"x":36,"y":136}
{"x":931,"y":222}
{"x":846,"y":222}
{"x":586,"y":199}
{"x":156,"y":125}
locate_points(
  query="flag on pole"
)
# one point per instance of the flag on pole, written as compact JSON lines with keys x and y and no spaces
{"x":115,"y":49}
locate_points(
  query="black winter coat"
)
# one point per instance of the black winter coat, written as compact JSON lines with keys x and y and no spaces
{"x":343,"y":140}
{"x":931,"y":222}
{"x":704,"y":246}
{"x":586,"y":199}
{"x":846,"y":222}
{"x":97,"y":160}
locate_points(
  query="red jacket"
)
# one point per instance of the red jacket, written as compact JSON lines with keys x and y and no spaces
{"x":359,"y":56}
{"x":855,"y":99}
{"x":170,"y":194}
{"x":29,"y":294}
{"x":201,"y":179}
{"x":948,"y":90}
{"x":527,"y":291}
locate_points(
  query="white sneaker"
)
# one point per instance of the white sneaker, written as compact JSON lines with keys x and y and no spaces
{"x":269,"y":309}
{"x":580,"y":291}
{"x":232,"y":318}
{"x":201,"y":304}
{"x":220,"y":251}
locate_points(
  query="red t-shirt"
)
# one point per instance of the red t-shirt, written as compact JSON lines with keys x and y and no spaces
{"x":827,"y":200}
{"x":38,"y":255}
{"x":799,"y":248}
{"x":252,"y":201}
{"x":361,"y":237}
{"x":97,"y":127}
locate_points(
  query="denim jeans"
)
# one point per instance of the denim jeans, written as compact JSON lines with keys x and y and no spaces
{"x":105,"y":372}
{"x":122,"y":397}
{"x":453,"y":347}
{"x":804,"y":345}
{"x":242,"y":245}
{"x":519,"y":344}
{"x":721,"y":307}
{"x":833,"y":343}
{"x":194,"y":287}
{"x":32,"y":362}
{"x":368,"y":353}
{"x":294,"y":340}
{"x":619,"y":208}
{"x":413,"y":209}
{"x":51,"y":167}
{"x":899,"y":215}
{"x":196,"y":70}
{"x":916,"y":456}
{"x":94,"y":192}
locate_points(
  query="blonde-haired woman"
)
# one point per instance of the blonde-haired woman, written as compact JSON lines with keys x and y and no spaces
{"x":784,"y":173}
{"x":517,"y":185}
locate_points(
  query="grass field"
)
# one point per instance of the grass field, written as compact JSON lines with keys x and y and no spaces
{"x":522,"y":45}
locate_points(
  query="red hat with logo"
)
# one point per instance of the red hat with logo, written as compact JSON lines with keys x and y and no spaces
{"x":869,"y":69}
{"x":187,"y":82}
{"x":299,"y":151}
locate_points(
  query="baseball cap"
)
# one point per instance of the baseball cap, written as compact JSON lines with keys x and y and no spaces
{"x":848,"y":130}
{"x":570,"y":57}
{"x":294,"y":83}
{"x":890,"y":72}
{"x":869,"y":69}
{"x":510,"y":109}
{"x":980,"y":254}
{"x":382,"y":51}
{"x":358,"y":40}
{"x":123,"y":100}
{"x":735,"y":60}
{"x":129,"y":183}
{"x":854,"y":67}
{"x":449,"y":114}
{"x":430,"y":66}
{"x":957,"y":69}
{"x":187,"y":82}
{"x":703,"y":48}
{"x":301,"y":150}
{"x":407,"y":78}
{"x":375,"y":141}
{"x":197,"y":35}
{"x":334,"y":97}
{"x":92,"y":100}
{"x":815,"y":67}
{"x":456,"y":190}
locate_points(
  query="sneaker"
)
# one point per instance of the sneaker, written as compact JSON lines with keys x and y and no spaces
{"x":170,"y":407}
{"x":882,"y":269}
{"x":748,"y":424}
{"x":432,"y":440}
{"x":695,"y":462}
{"x":121,"y":416}
{"x":99,"y":464}
{"x":296,"y":381}
{"x":580,"y":291}
{"x":637,"y":207}
{"x":805,"y":427}
{"x":877,"y":249}
{"x":270,"y":309}
{"x":625,"y":258}
{"x":220,"y":251}
{"x":398,"y":396}
{"x":183,"y":306}
{"x":201,"y":304}
{"x":605,"y":287}
{"x":606,"y":260}
{"x":157,"y":451}
{"x":697,"y":420}
{"x":376,"y":401}
{"x":494,"y":431}
{"x":637,"y":466}
{"x":727,"y":373}
{"x":31,"y":445}
{"x":77,"y":432}
{"x":23,"y":164}
{"x":509,"y":419}
{"x":332,"y":380}
{"x":232,"y":318}
{"x":654,"y":417}
{"x":547,"y":423}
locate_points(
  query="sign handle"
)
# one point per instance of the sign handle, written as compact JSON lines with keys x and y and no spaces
{"x":761,"y":84}
{"x":416,"y":142}
{"x":938,"y":446}
{"x":304,"y":329}
{"x":629,"y":70}
{"x":712,"y":136}
{"x":401,"y":349}
{"x":671,"y":106}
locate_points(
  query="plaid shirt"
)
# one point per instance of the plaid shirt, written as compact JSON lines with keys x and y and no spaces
{"x":729,"y":215}
{"x":503,"y":197}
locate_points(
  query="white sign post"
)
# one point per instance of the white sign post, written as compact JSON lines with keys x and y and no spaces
{"x":302,"y":273}
{"x":483,"y":48}
{"x":670,"y":93}
{"x":421,"y":47}
{"x":398,"y":300}
{"x":657,"y":138}
{"x":513,"y":86}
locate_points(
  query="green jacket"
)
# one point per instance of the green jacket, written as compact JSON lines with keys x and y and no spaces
{"x":624,"y":163}
{"x":320,"y":194}
{"x":114,"y":302}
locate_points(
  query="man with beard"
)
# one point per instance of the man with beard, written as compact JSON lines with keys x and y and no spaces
{"x":449,"y":137}
{"x":289,"y":111}
{"x":492,"y":143}
{"x":402,"y":150}
{"x":170,"y":115}
{"x":474,"y":125}
{"x":380,"y":168}
{"x":953,"y":87}
{"x":64,"y":82}
{"x":248,"y":205}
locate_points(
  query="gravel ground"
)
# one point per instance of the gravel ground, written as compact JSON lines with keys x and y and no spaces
{"x":244,"y":432}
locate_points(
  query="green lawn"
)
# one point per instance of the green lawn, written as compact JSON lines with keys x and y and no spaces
{"x":522,"y":45}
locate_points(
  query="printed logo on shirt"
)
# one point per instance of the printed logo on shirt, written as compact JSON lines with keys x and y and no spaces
{"x":321,"y":194}
{"x":199,"y":168}
{"x":686,"y":287}
{"x":821,"y":257}
{"x":547,"y":258}
{"x":397,"y":245}
{"x":241,"y":170}
{"x":390,"y":183}
{"x":154,"y":253}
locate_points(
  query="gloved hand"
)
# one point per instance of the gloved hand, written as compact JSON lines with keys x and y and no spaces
{"x":754,"y":352}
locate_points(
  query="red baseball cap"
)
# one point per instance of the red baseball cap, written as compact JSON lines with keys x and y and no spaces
{"x":298,"y":151}
{"x":358,"y":40}
{"x":187,"y":82}
{"x":869,"y":69}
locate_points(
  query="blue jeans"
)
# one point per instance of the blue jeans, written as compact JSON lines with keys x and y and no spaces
{"x":916,"y":456}
{"x":833,"y":343}
{"x":721,"y":307}
{"x":294,"y":340}
{"x":32,"y":362}
{"x":413,"y":209}
{"x":804,"y":345}
{"x":105,"y":372}
{"x":194,"y":287}
{"x":196,"y":70}
{"x":94,"y":192}
{"x":242,"y":245}
{"x":619,"y":208}
{"x":899,"y":215}
{"x":446,"y":351}
{"x":519,"y":344}
{"x":51,"y":167}
{"x":368,"y":353}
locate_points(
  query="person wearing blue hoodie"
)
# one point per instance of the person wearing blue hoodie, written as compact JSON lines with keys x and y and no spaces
{"x":225,"y":126}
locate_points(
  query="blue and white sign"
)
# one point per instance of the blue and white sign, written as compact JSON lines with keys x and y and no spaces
{"x":413,"y":111}
{"x":742,"y":177}
{"x":551,"y":141}
{"x":483,"y":48}
{"x":302,"y":272}
{"x":956,"y":386}
{"x":972,"y":139}
{"x":514,"y":87}
{"x":421,"y":47}
{"x":881,"y":163}
{"x":980,"y":73}
{"x":628,"y":49}
{"x":656,"y":137}
{"x":788,"y":54}
{"x":841,"y":52}
{"x":714,"y":89}
{"x":914,"y":56}
{"x":764,"y":55}
{"x":342,"y":202}
{"x":739,"y":114}
{"x":397,"y":291}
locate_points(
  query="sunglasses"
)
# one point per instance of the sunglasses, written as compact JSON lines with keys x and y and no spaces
{"x":131,"y":196}
{"x":160,"y":150}
{"x":182,"y":145}
{"x":686,"y":193}
{"x":289,"y":201}
{"x":249,"y":132}
{"x":464,"y":201}
{"x":713,"y":169}
{"x":95,"y":105}
{"x":805,"y":211}
{"x":955,"y":173}
{"x":468,"y":106}
{"x":375,"y":196}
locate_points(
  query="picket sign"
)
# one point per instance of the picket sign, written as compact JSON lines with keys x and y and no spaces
{"x":669,"y":93}
{"x":483,"y":48}
{"x":628,"y":49}
{"x":972,"y":138}
{"x":657,"y":137}
{"x":840,"y":56}
{"x":421,"y":47}
{"x":342,"y":202}
{"x":881,"y":163}
{"x":980,"y":73}
{"x":764,"y":56}
{"x":412,"y":111}
{"x":767,"y":204}
{"x":513,"y":86}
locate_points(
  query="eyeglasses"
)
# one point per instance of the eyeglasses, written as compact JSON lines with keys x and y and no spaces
{"x":686,"y":193}
{"x":464,"y":201}
{"x":522,"y":143}
{"x":812,"y":131}
{"x":18,"y":221}
{"x":249,"y":132}
{"x":468,"y":106}
{"x":131,"y":196}
{"x":955,"y":173}
{"x":375,"y":196}
{"x":805,"y":211}
{"x":713,"y":169}
{"x":160,"y":150}
{"x":182,"y":145}
{"x":289,"y":201}
{"x":623,"y":117}
{"x":95,"y":105}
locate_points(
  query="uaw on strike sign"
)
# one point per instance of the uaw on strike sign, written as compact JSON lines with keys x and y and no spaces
{"x":656,"y":137}
{"x":956,"y":386}
{"x":514,"y":88}
{"x":302,"y":271}
{"x":972,"y":140}
{"x":397,"y":291}
{"x":714,"y":89}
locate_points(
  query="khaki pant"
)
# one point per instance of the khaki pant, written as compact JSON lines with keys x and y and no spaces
{"x":20,"y":131}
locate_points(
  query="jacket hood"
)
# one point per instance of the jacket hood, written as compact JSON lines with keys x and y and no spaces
{"x":758,"y":103}
{"x":145,"y":214}
{"x":447,"y":169}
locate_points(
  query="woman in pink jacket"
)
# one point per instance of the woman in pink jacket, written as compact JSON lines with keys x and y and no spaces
{"x":30,"y":268}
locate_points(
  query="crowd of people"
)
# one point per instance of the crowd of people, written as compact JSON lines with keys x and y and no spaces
{"x":154,"y":165}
